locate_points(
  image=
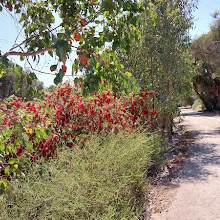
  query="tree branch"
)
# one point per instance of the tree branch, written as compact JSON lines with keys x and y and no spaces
{"x":26,"y":54}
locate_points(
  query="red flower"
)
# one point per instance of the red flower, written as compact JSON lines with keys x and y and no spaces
{"x":83,"y":22}
{"x":44,"y":153}
{"x":70,"y":145}
{"x":16,"y":104}
{"x":19,"y":150}
{"x":64,"y":68}
{"x":35,"y":158}
{"x":83,"y":59}
{"x":80,"y":106}
{"x":77,"y":36}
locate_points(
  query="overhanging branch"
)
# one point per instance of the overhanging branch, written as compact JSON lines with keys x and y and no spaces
{"x":26,"y":54}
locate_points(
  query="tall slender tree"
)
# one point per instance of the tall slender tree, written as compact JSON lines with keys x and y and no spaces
{"x":160,"y":61}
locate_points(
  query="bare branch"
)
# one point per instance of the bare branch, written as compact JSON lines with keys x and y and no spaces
{"x":26,"y":54}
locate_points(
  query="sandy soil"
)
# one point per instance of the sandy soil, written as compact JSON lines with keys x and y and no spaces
{"x":195,"y":193}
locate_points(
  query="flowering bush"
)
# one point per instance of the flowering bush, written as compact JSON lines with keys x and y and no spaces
{"x":64,"y":118}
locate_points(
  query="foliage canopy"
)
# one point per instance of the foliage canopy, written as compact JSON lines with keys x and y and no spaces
{"x":206,"y":52}
{"x":160,"y":61}
{"x":91,"y":29}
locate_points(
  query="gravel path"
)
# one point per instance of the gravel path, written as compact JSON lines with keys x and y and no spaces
{"x":195,"y":193}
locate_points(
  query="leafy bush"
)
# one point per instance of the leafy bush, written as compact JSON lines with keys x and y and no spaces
{"x":197,"y":105}
{"x":103,"y":180}
{"x":64,"y":118}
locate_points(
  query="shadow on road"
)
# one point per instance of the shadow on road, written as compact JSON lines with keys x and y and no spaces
{"x":201,"y":113}
{"x":203,"y":160}
{"x":201,"y":157}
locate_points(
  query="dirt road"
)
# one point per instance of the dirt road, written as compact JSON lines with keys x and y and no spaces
{"x":195,"y":193}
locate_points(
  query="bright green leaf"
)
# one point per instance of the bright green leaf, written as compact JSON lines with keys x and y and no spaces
{"x":12,"y":161}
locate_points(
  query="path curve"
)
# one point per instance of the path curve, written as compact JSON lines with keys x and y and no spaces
{"x":195,"y":194}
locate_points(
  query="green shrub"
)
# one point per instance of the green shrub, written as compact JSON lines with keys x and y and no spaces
{"x":198,"y":105}
{"x":104,"y":180}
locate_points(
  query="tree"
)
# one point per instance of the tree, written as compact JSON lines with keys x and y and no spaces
{"x":206,"y":51}
{"x":63,"y":27}
{"x":12,"y":84}
{"x":160,"y":61}
{"x":51,"y":88}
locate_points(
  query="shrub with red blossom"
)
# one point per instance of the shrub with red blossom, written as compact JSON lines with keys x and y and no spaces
{"x":65,"y":118}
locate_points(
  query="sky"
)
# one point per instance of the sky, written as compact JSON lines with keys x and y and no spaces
{"x":203,"y":16}
{"x":10,"y":28}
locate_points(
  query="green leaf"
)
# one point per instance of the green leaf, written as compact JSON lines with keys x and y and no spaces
{"x":59,"y":77}
{"x":135,"y":89}
{"x":116,"y":44}
{"x":48,"y":132}
{"x":29,"y":80}
{"x":128,"y":74}
{"x":16,"y":166}
{"x":50,"y":53}
{"x":54,"y":39}
{"x":30,"y":91}
{"x":46,"y":40}
{"x":7,"y":170}
{"x":2,"y":147}
{"x":22,"y":58}
{"x":16,"y":87}
{"x":32,"y":76}
{"x":1,"y":157}
{"x":1,"y":74}
{"x":18,"y":70}
{"x":12,"y":161}
{"x":18,"y":172}
{"x":62,"y":47}
{"x":53,"y":68}
{"x":61,"y":35}
{"x":4,"y":60}
{"x":2,"y":189}
{"x":76,"y":80}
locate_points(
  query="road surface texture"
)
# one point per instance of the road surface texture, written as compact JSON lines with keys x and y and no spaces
{"x":195,"y":193}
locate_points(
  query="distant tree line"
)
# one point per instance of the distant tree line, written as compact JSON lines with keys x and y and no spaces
{"x":12,"y":84}
{"x":206,"y":52}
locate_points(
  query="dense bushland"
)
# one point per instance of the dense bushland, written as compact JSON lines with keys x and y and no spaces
{"x":64,"y":118}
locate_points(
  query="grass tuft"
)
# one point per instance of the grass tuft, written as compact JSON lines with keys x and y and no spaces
{"x":104,"y":180}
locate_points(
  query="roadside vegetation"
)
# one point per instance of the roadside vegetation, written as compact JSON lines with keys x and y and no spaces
{"x":198,"y":105}
{"x":205,"y":51}
{"x":83,"y":150}
{"x":96,"y":149}
{"x":104,"y":180}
